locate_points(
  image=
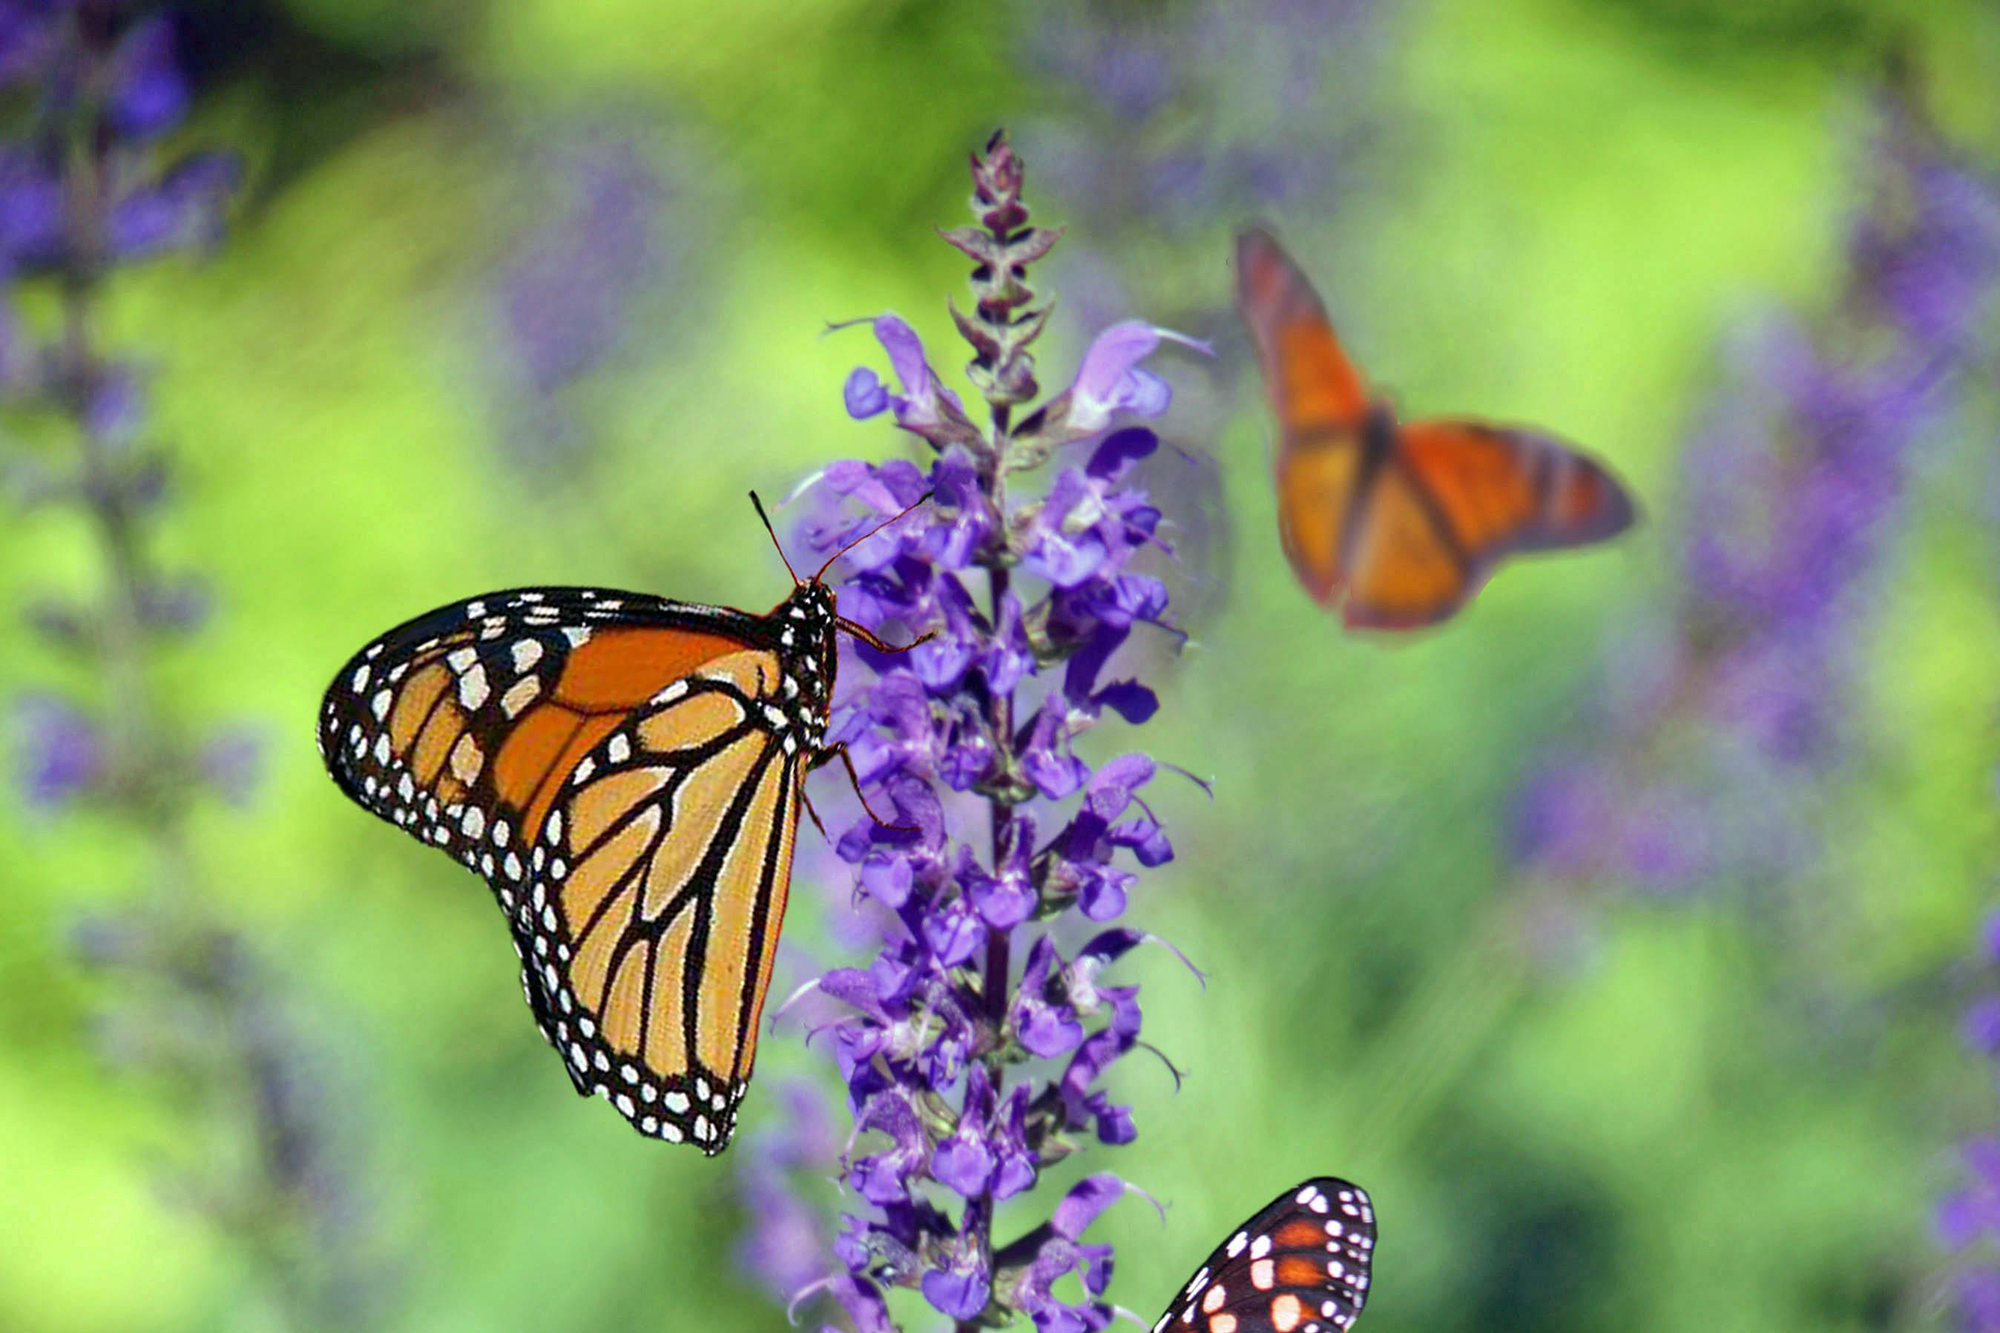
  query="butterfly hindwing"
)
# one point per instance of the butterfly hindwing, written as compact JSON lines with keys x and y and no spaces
{"x":1500,"y":489}
{"x":624,"y":771}
{"x":668,"y":857}
{"x":1403,"y":567}
{"x":1316,"y":489}
{"x":1300,"y":1264}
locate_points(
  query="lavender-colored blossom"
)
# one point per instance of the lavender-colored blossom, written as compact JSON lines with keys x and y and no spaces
{"x":84,"y":192}
{"x":1000,"y":837}
{"x":1267,"y":141}
{"x":1967,"y":1219}
{"x":577,"y":284}
{"x":149,"y":95}
{"x":1160,"y":138}
{"x":1794,"y":485}
{"x":785,"y":1248}
{"x":60,"y":752}
{"x":924,"y":407}
{"x":564,"y":294}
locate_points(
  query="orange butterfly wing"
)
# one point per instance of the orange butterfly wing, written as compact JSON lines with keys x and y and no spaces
{"x":1312,"y":384}
{"x":1455,"y":497}
{"x":625,"y":772}
{"x":1398,"y":525}
{"x":1322,"y":408}
{"x":1303,"y":1261}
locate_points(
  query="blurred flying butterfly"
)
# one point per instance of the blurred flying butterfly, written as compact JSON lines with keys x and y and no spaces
{"x":1399,"y":523}
{"x":1299,"y":1265}
{"x":626,"y":773}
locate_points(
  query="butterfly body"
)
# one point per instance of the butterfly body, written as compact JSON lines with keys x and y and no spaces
{"x":1399,"y":523}
{"x":626,"y":773}
{"x":1300,"y":1264}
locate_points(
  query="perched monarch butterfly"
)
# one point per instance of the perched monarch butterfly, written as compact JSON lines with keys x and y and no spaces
{"x":1402,"y":521}
{"x":626,"y":772}
{"x":1300,"y":1264}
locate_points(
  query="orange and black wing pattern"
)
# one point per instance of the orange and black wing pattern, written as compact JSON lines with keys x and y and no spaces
{"x":1399,"y":525}
{"x":1300,"y":1265}
{"x":625,"y":773}
{"x":1452,"y":498}
{"x":1321,"y":403}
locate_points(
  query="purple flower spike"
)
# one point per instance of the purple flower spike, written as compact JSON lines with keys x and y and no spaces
{"x":86,"y":188}
{"x":996,"y":837}
{"x":1982,"y":1025}
{"x":150,"y":96}
{"x":1795,"y":490}
{"x":1989,"y":938}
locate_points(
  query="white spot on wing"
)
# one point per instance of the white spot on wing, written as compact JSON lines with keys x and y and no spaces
{"x":472,"y":688}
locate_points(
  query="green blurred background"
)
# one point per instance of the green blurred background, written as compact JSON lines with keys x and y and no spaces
{"x":1578,"y":1108}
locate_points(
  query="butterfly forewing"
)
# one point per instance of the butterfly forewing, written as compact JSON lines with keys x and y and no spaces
{"x":625,"y":772}
{"x":1299,"y":1265}
{"x":1313,"y":386}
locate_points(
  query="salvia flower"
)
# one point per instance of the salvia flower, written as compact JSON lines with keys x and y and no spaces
{"x":1967,"y":1220}
{"x":785,"y":1246}
{"x":60,"y":750}
{"x":85,"y":191}
{"x":973,"y":1046}
{"x":1794,"y":486}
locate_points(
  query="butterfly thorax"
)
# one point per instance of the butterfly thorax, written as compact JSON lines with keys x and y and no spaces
{"x":806,"y":627}
{"x":1378,"y":433}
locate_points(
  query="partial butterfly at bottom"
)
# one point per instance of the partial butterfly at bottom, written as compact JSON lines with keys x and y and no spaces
{"x":1399,"y":523}
{"x":1300,"y":1264}
{"x":626,"y":773}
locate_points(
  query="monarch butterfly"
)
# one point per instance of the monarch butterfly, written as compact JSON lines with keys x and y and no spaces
{"x":1300,"y":1264}
{"x":1402,"y":521}
{"x":626,"y":773}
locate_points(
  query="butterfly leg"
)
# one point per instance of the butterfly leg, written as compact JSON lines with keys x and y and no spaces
{"x":868,"y":637}
{"x":814,"y":813}
{"x":848,"y":761}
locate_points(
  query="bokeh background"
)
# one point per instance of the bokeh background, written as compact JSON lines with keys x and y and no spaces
{"x":1625,"y":937}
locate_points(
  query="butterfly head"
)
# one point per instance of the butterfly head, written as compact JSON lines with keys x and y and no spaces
{"x":809,"y":623}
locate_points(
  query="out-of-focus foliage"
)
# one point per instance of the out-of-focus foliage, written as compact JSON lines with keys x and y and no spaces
{"x":533,"y":291}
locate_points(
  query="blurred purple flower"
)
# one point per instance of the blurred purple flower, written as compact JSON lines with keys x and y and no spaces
{"x":83,"y":191}
{"x":180,"y":210}
{"x":232,"y":760}
{"x":59,"y":751}
{"x":785,"y":1248}
{"x":1793,"y":485}
{"x":149,"y":95}
{"x":565,"y":294}
{"x":1264,"y":142}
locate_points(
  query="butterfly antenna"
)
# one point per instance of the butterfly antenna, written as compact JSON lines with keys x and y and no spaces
{"x":870,"y":533}
{"x":759,"y":506}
